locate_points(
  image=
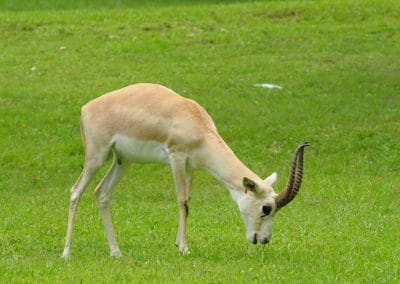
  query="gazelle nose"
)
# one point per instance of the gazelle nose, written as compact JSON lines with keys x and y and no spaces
{"x":265,"y":241}
{"x":254,"y":239}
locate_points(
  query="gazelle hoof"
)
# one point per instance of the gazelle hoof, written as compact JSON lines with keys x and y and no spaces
{"x":115,"y":254}
{"x":184,"y":250}
{"x":66,"y":255}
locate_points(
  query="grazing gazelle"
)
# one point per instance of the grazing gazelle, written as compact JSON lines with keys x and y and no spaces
{"x":146,"y":123}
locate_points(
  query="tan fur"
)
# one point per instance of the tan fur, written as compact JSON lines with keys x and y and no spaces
{"x":148,"y":112}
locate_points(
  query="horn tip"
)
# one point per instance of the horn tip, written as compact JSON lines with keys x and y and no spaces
{"x":305,"y":144}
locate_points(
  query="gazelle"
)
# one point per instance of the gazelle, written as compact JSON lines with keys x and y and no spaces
{"x":146,"y":123}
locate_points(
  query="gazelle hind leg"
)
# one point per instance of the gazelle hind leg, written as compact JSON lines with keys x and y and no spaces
{"x":103,"y":195}
{"x":89,"y":169}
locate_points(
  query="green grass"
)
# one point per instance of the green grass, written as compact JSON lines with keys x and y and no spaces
{"x":338,"y":64}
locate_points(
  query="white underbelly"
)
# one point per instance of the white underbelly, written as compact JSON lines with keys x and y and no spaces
{"x":138,"y":151}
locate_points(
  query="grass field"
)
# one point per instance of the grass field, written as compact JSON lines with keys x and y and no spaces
{"x":338,"y":64}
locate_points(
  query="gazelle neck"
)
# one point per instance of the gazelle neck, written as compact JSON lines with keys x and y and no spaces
{"x":223,"y":164}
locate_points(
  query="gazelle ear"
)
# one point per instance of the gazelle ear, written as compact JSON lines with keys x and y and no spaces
{"x":271,"y":179}
{"x":250,"y":185}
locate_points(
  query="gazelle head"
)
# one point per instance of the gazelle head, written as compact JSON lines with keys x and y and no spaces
{"x":260,"y":203}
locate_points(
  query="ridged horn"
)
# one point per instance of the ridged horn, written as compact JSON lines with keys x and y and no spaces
{"x":294,"y":181}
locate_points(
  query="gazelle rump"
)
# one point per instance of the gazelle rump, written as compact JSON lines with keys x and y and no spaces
{"x":147,"y":123}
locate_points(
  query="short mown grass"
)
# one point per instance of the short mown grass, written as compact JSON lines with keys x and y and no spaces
{"x":337,"y":62}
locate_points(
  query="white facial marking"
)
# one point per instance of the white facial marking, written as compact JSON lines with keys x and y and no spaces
{"x":258,"y":221}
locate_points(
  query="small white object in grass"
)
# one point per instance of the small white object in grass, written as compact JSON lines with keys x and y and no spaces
{"x":62,"y":48}
{"x":33,"y":68}
{"x":268,"y":86}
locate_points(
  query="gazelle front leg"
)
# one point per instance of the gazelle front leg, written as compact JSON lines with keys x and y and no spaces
{"x":183,"y":179}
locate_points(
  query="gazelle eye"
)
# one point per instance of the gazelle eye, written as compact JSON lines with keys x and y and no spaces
{"x":266,"y":210}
